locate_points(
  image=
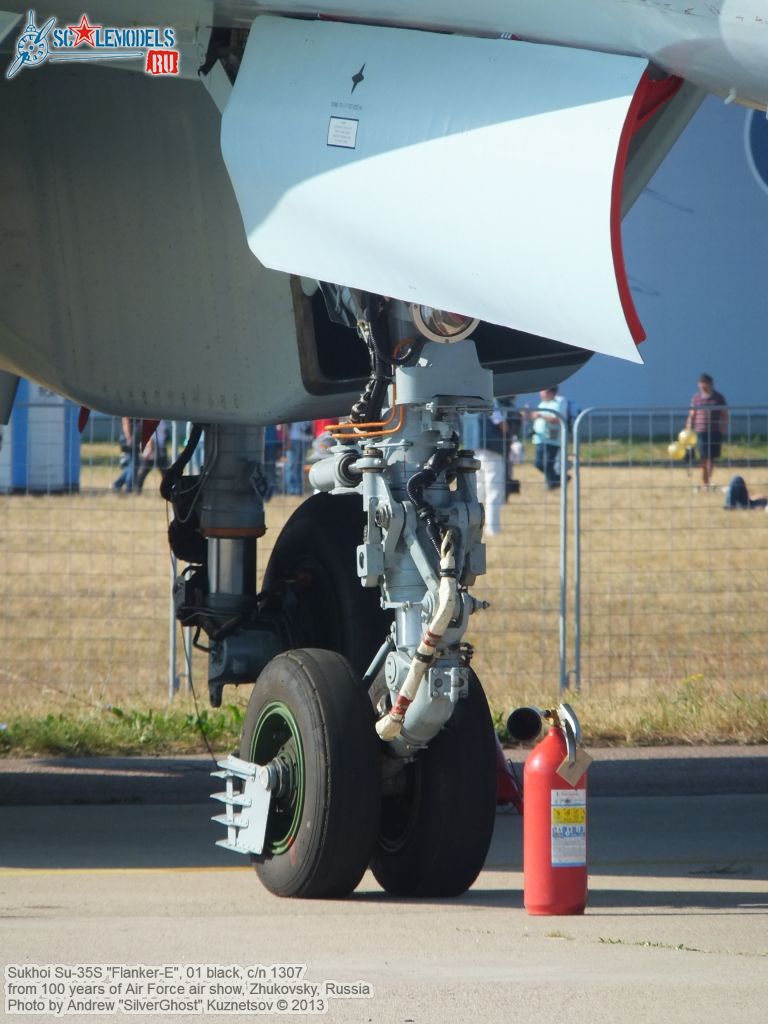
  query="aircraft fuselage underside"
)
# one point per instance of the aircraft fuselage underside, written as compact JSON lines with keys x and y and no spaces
{"x":407,"y":207}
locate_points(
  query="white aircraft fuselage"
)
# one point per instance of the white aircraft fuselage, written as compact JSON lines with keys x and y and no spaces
{"x":127,"y":283}
{"x":720,"y":46}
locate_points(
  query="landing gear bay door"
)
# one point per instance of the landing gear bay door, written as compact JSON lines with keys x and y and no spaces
{"x":477,"y":175}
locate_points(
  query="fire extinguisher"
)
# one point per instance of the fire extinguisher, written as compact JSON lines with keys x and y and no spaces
{"x":555,"y":812}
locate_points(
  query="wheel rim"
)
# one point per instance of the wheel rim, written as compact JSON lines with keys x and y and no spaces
{"x":400,"y":808}
{"x":400,"y":811}
{"x":276,"y":735}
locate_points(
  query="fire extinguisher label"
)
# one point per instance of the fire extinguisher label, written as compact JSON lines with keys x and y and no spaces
{"x":569,"y":828}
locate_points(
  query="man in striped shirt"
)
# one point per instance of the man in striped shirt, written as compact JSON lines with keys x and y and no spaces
{"x":709,"y":418}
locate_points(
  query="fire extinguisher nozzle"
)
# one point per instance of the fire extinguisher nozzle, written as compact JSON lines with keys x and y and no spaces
{"x":525,"y":724}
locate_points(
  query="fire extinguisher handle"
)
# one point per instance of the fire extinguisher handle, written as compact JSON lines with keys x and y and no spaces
{"x":570,"y":741}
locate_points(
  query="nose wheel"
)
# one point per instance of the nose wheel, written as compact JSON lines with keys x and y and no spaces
{"x":311,"y":572}
{"x":438,"y":811}
{"x":309,"y":714}
{"x":424,"y":825}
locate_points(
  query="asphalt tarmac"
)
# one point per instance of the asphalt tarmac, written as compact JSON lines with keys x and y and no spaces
{"x":112,"y":861}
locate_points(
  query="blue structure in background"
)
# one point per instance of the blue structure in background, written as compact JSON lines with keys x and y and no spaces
{"x":40,"y":447}
{"x":696,"y":251}
{"x":756,"y":142}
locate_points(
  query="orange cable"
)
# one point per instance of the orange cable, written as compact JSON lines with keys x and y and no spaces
{"x":337,"y":428}
{"x":368,"y":435}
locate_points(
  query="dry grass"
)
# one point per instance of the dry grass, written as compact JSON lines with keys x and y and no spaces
{"x":674,"y":632}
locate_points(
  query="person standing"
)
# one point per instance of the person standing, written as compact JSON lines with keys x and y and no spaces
{"x":129,"y":454}
{"x":153,"y":454}
{"x":272,"y":452}
{"x":546,"y":435}
{"x":195,"y":464}
{"x":296,"y":439}
{"x":708,"y":416}
{"x":322,"y":439}
{"x":487,"y":436}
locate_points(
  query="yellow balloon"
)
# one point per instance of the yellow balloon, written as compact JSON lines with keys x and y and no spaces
{"x":687,"y":437}
{"x":676,"y":451}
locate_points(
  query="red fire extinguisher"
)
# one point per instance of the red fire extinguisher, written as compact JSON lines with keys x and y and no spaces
{"x":555,"y":815}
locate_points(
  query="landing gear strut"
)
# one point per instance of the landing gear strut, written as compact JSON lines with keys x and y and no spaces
{"x":414,"y":797}
{"x":422,"y":549}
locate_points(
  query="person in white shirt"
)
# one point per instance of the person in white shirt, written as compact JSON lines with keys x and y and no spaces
{"x":546,"y":435}
{"x":487,"y":436}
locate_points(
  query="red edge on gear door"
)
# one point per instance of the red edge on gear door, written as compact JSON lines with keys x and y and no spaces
{"x":649,"y":97}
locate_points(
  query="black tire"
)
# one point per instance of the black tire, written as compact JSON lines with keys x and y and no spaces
{"x":438,"y":813}
{"x":318,"y":593}
{"x":308,"y":706}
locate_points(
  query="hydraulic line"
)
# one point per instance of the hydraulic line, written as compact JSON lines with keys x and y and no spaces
{"x":174,"y":472}
{"x":368,"y":407}
{"x":415,"y":487}
{"x":391,"y":724}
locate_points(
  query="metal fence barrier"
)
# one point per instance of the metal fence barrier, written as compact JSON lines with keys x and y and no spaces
{"x":657,"y":583}
{"x":669,"y":585}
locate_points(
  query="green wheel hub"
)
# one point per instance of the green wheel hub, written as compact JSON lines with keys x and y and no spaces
{"x":276,"y":735}
{"x":311,"y":720}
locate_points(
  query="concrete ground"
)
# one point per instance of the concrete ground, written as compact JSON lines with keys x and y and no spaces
{"x":112,"y":861}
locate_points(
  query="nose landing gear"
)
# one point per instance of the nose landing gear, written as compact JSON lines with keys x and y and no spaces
{"x":414,"y":793}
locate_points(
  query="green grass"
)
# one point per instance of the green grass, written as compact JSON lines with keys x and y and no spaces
{"x":121,"y":731}
{"x":690,"y":713}
{"x":653,"y":452}
{"x":675,"y":642}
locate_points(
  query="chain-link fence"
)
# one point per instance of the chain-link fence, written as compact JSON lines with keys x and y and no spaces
{"x":672,"y":579}
{"x":86,"y":567}
{"x":521,"y":640}
{"x":671,"y":584}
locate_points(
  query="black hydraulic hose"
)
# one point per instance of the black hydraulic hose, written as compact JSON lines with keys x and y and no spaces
{"x":368,"y":407}
{"x":415,"y":487}
{"x":175,"y":471}
{"x":424,"y":510}
{"x":380,"y":385}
